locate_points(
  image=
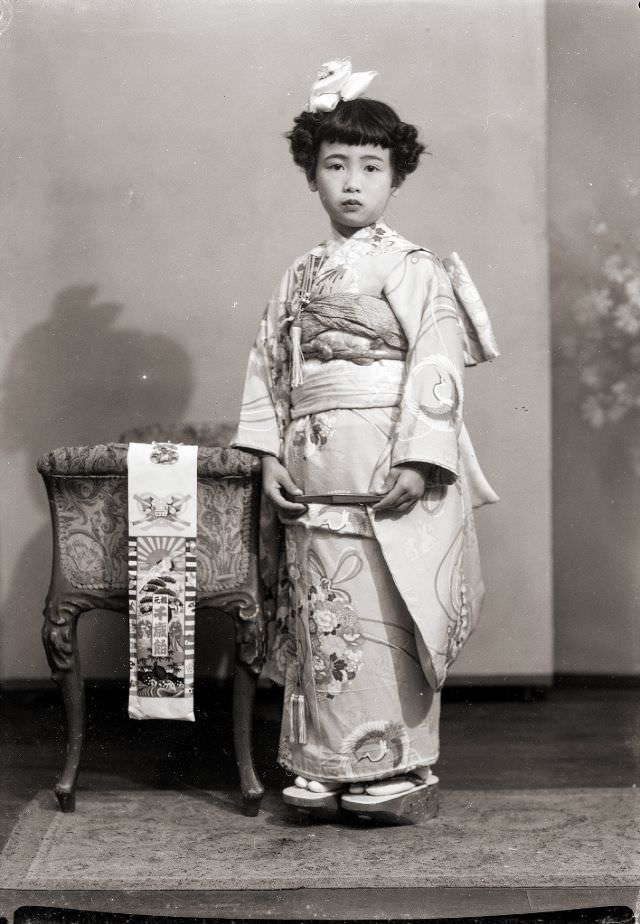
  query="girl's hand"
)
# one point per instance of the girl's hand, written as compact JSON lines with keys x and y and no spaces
{"x":406,"y":485}
{"x":275,"y":478}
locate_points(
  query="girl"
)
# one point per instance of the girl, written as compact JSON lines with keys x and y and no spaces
{"x":354,"y":397}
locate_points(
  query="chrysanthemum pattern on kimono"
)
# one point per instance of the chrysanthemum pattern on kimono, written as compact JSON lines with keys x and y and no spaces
{"x":334,"y":628}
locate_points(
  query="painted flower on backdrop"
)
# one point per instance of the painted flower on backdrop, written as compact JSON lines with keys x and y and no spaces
{"x":602,"y":344}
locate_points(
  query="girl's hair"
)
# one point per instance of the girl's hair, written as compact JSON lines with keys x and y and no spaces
{"x":358,"y":121}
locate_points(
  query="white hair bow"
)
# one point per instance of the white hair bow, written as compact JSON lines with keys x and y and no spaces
{"x":336,"y":82}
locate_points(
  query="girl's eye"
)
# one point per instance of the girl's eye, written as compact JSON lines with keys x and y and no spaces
{"x":372,"y":168}
{"x":334,"y":166}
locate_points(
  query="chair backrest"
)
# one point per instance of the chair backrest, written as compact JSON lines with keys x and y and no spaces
{"x":214,"y":434}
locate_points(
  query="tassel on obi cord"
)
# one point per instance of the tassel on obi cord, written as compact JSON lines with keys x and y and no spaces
{"x":297,"y":718}
{"x":300,"y":301}
{"x":297,"y":359}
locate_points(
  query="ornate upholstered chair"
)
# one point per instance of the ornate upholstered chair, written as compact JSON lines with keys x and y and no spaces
{"x":87,"y":490}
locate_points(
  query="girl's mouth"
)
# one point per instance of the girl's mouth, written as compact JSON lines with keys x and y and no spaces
{"x":351,"y":204}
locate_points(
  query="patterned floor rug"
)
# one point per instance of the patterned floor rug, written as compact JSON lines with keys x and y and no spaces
{"x":162,"y":839}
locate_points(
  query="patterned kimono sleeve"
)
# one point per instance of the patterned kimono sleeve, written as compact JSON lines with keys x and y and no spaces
{"x":428,"y":428}
{"x":264,"y":410}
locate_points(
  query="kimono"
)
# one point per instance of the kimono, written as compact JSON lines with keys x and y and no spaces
{"x":358,"y":366}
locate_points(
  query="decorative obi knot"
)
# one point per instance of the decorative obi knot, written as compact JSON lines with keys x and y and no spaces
{"x":359,"y":328}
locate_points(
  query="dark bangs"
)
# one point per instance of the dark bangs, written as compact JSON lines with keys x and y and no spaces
{"x":359,"y":122}
{"x":356,"y":122}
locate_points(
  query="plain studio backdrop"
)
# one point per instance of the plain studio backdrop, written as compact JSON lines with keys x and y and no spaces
{"x":150,"y":205}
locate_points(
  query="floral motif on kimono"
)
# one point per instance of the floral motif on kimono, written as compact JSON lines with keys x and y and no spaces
{"x":336,"y":635}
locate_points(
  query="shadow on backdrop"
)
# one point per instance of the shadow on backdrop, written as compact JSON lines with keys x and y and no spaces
{"x":77,"y":379}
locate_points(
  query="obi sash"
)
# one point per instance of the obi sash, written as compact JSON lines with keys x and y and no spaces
{"x":364,"y":316}
{"x":360,"y":329}
{"x":347,"y":385}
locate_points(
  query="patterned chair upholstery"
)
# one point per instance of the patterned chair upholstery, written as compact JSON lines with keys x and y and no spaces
{"x":87,"y":490}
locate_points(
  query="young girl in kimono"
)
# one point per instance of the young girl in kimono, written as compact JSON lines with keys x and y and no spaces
{"x":353,"y":398}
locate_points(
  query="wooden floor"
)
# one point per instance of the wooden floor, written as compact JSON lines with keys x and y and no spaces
{"x":491,"y":739}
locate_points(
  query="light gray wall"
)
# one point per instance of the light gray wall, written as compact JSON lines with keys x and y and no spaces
{"x":594,"y":210}
{"x":149,"y":206}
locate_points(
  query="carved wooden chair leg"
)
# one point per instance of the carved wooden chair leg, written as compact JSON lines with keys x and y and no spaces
{"x":244,"y":689}
{"x":61,"y":646}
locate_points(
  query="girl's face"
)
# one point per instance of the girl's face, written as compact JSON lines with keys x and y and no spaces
{"x":354,"y":183}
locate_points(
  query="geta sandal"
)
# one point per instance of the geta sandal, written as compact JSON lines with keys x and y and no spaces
{"x":325,"y":806}
{"x":407,"y":807}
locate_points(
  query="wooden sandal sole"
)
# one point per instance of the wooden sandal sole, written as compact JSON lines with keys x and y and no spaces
{"x":406,"y":808}
{"x":324,"y":806}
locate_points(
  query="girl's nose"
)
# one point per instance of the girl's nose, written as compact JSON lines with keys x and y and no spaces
{"x":352,"y":183}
